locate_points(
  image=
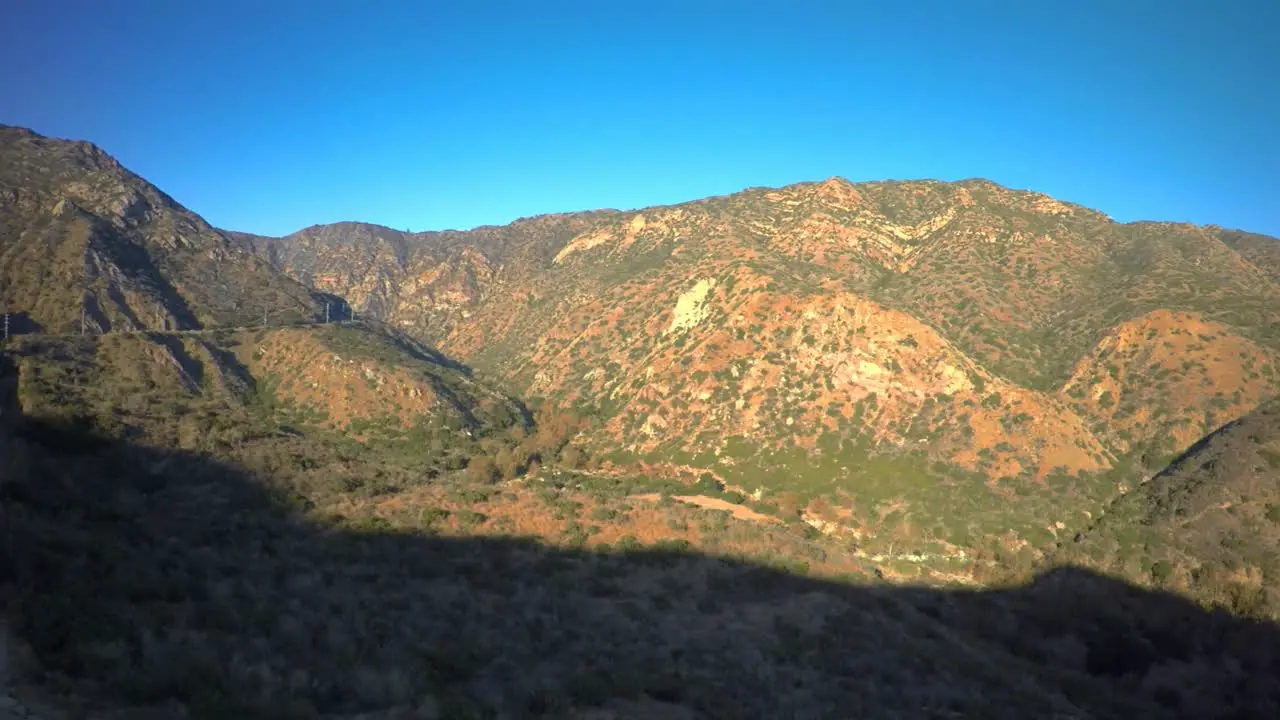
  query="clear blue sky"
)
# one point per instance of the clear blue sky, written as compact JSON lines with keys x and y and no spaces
{"x":268,"y":116}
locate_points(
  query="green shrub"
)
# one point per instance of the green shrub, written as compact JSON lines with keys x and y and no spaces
{"x":431,"y":517}
{"x":628,"y":543}
{"x":470,"y":518}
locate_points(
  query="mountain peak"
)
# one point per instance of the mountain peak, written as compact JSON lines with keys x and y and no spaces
{"x":126,"y":255}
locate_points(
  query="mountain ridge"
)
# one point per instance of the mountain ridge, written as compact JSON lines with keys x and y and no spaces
{"x":975,"y":181}
{"x":1206,"y":525}
{"x":76,"y":221}
{"x":970,"y":180}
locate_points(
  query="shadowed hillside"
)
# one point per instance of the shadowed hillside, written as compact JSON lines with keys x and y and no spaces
{"x":165,"y":580}
{"x":83,"y":237}
{"x":1207,"y":526}
{"x":330,"y":392}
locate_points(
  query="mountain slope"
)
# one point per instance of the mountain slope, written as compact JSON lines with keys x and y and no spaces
{"x":358,"y":381}
{"x":190,"y":339}
{"x":1261,"y":250}
{"x":425,"y":282}
{"x":1209,"y":525}
{"x":144,"y":582}
{"x":942,"y":364}
{"x":80,"y":232}
{"x":334,"y":382}
{"x":1022,"y":282}
{"x":899,"y":348}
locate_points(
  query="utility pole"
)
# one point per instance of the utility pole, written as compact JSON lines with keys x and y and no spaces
{"x":326,"y":312}
{"x":6,"y":327}
{"x":264,"y":317}
{"x":82,"y":320}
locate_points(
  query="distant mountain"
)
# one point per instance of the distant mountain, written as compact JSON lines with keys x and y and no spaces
{"x":80,"y":232}
{"x":420,"y":281}
{"x":961,"y":359}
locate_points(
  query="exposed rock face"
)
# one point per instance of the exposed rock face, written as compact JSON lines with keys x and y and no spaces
{"x":691,"y":307}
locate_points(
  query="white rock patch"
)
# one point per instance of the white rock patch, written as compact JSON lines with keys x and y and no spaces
{"x":691,"y":307}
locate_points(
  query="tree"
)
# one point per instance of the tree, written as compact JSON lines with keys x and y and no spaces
{"x":571,"y":458}
{"x":1161,"y":571}
{"x":483,"y":470}
{"x":519,"y":433}
{"x":555,"y":429}
{"x":509,"y":462}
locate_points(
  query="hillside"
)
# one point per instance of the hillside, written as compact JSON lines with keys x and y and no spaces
{"x":221,"y":392}
{"x":892,"y":350}
{"x":1207,"y":526}
{"x":358,"y":381}
{"x":80,"y":233}
{"x":190,"y":340}
{"x":147,"y":582}
{"x":1261,"y":250}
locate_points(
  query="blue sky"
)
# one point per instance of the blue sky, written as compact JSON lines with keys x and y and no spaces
{"x":268,"y":116}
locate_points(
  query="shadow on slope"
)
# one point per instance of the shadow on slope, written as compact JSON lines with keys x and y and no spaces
{"x":141,"y":271}
{"x":21,"y":323}
{"x":159,"y":576}
{"x":413,"y":347}
{"x":1208,"y":523}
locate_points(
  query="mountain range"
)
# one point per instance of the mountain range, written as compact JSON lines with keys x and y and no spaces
{"x":921,"y":346}
{"x":926,"y":381}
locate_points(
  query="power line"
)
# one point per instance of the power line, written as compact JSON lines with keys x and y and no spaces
{"x":137,"y":324}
